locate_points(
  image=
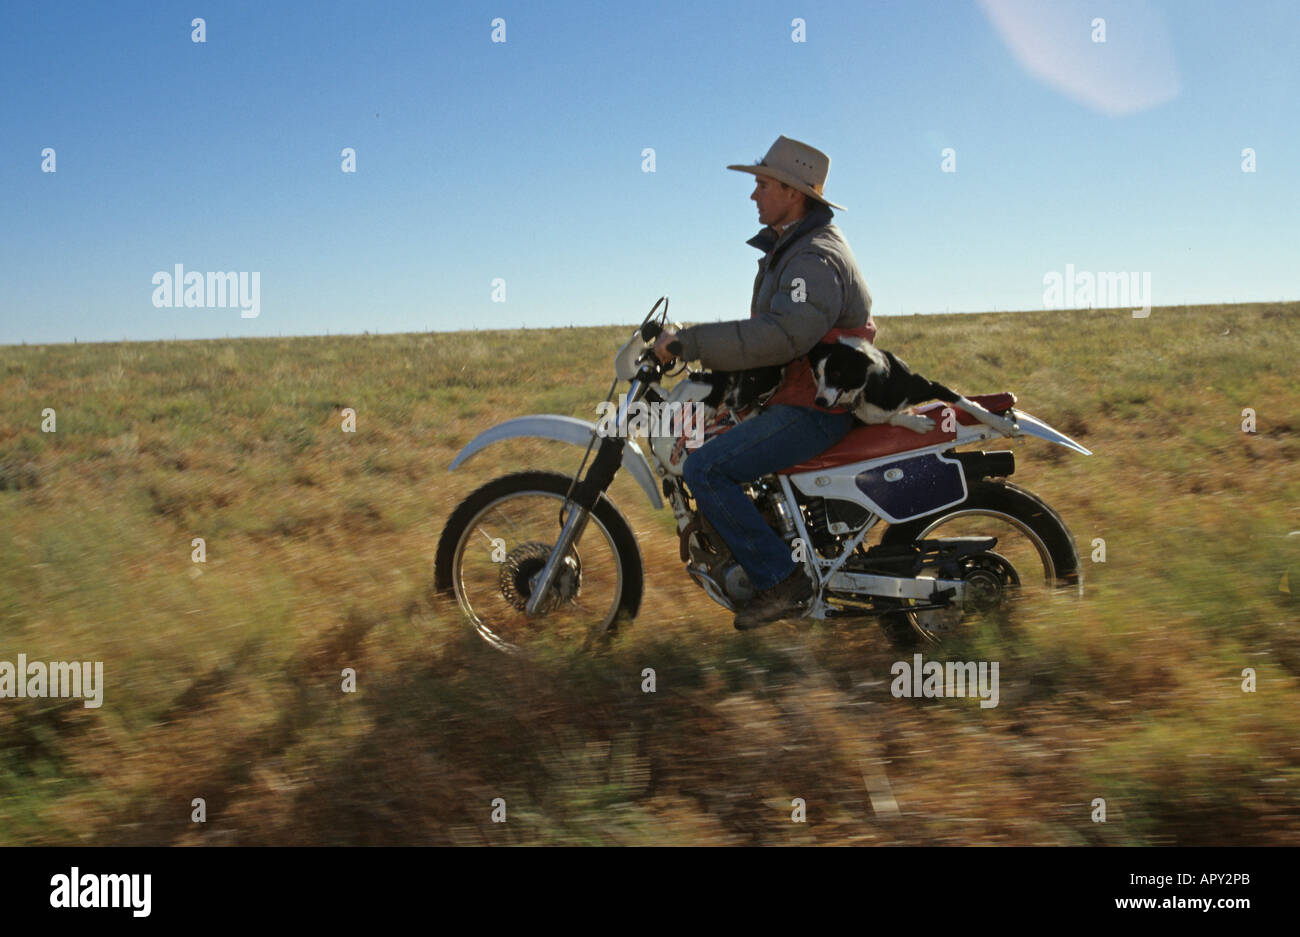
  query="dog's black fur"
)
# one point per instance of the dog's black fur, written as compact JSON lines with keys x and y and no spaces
{"x":892,"y":388}
{"x":741,"y":389}
{"x":878,"y":387}
{"x":890,"y":385}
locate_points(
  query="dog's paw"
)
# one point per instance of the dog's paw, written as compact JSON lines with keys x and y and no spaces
{"x":913,"y":421}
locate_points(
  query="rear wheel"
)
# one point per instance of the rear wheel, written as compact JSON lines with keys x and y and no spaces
{"x":1034,"y":556}
{"x":493,"y":549}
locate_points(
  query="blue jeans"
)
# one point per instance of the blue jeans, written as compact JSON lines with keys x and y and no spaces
{"x":778,"y":437}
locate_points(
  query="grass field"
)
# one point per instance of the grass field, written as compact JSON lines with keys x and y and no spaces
{"x":223,"y":678}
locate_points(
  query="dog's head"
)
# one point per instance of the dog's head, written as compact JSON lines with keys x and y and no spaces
{"x":845,"y":372}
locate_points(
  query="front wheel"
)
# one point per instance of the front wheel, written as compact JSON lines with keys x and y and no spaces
{"x":1035,"y":555}
{"x":495,"y":545}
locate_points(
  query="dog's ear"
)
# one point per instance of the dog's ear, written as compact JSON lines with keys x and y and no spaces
{"x":819,"y":351}
{"x":877,"y":373}
{"x":847,"y":368}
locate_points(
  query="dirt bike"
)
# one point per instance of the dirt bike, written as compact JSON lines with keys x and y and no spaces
{"x":538,"y":557}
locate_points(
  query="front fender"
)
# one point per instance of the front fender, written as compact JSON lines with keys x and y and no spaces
{"x":564,"y":429}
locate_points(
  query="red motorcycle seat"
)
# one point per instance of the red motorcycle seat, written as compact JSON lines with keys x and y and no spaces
{"x":872,"y":442}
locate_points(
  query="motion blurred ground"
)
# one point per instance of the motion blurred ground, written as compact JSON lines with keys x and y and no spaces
{"x":223,"y":679}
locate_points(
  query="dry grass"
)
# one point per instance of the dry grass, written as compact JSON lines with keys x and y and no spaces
{"x":223,"y":680}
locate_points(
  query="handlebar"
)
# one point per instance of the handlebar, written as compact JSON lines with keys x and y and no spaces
{"x":650,"y":332}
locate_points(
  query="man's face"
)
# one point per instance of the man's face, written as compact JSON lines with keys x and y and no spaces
{"x":777,"y":204}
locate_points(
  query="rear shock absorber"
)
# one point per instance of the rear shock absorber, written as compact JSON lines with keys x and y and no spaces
{"x":815,"y":519}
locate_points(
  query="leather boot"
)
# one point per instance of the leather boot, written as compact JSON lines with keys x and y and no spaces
{"x":786,"y":599}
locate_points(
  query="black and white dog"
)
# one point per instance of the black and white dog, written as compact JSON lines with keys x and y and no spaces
{"x":880,"y":387}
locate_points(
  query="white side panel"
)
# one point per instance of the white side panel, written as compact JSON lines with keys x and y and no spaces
{"x":839,"y":482}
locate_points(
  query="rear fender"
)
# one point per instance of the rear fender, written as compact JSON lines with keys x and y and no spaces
{"x":563,"y":429}
{"x":1031,"y":425}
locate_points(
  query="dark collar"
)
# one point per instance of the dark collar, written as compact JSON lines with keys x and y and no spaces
{"x":766,"y":239}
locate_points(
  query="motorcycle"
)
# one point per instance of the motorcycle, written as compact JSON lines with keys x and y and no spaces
{"x":537,"y":557}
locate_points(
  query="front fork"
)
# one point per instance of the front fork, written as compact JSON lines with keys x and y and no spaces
{"x":609,"y":457}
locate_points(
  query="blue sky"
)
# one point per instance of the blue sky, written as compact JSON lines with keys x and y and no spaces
{"x":523,"y":161}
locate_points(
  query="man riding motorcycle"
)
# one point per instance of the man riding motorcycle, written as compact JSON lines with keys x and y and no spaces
{"x":808,"y":290}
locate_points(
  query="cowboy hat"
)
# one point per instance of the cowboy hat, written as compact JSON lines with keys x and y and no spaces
{"x":798,"y":165}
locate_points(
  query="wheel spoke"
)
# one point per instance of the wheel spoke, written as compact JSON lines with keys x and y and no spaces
{"x":493,"y":589}
{"x":1022,"y":567}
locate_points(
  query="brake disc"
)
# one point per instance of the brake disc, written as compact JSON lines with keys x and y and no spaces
{"x":523,"y":566}
{"x":989,"y":577}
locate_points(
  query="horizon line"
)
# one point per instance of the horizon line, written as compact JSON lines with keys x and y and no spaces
{"x":526,"y":328}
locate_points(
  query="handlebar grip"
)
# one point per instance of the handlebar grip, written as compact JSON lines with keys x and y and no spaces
{"x":650,"y":331}
{"x":675,"y":348}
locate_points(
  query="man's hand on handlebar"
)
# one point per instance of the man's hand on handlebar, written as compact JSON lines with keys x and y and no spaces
{"x":667,"y":347}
